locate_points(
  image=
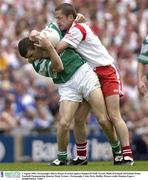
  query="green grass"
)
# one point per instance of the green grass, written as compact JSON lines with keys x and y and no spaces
{"x":92,"y":166}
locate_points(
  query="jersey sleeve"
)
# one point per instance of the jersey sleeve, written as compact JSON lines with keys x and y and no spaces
{"x":75,"y":35}
{"x":43,"y":67}
{"x":143,"y":57}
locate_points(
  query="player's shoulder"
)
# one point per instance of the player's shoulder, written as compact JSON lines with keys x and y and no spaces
{"x":52,"y":24}
{"x":75,"y":25}
{"x":84,"y":25}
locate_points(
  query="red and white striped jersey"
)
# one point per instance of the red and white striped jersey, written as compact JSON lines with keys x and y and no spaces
{"x":81,"y":37}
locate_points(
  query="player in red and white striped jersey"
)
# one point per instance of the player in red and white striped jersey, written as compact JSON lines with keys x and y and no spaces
{"x":81,"y":37}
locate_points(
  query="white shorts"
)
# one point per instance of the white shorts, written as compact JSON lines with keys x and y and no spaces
{"x":80,"y":85}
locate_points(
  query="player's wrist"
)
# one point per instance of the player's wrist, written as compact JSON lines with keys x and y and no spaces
{"x":49,"y":48}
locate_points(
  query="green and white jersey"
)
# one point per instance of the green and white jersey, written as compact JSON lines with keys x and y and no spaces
{"x":55,"y":27}
{"x":70,"y":58}
{"x":143,"y":57}
{"x":71,"y":62}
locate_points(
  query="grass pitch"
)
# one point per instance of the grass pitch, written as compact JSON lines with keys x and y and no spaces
{"x":92,"y":166}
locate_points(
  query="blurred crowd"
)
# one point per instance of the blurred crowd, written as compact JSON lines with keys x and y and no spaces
{"x":29,"y":102}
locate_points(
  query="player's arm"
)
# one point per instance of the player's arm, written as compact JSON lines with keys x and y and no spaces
{"x":142,"y":60}
{"x":140,"y":71}
{"x":56,"y":62}
{"x":61,"y":46}
{"x":140,"y":74}
{"x":72,"y":38}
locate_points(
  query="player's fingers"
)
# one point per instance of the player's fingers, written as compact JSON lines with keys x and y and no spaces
{"x":33,"y":35}
{"x":80,"y":18}
{"x":37,"y":44}
{"x":38,"y":38}
{"x":38,"y":41}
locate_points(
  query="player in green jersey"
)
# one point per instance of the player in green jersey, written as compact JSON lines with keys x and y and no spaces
{"x":142,"y":61}
{"x":75,"y":82}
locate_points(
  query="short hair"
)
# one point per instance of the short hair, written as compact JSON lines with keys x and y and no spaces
{"x":24,"y":45}
{"x":67,"y":9}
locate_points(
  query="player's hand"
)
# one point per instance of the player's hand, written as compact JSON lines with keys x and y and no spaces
{"x":43,"y":42}
{"x":142,"y":88}
{"x":80,"y":18}
{"x":33,"y":35}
